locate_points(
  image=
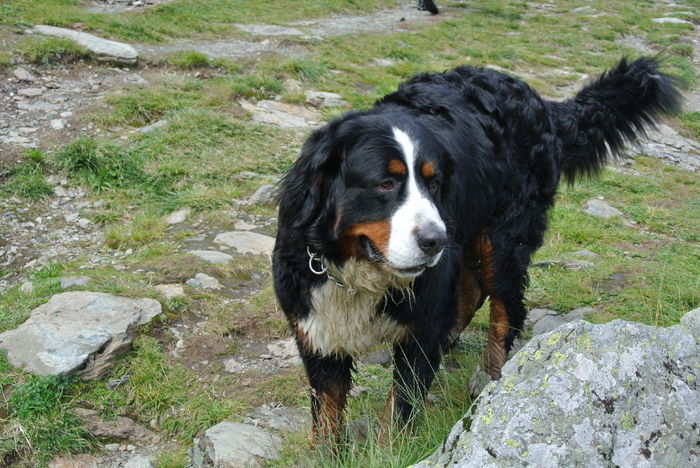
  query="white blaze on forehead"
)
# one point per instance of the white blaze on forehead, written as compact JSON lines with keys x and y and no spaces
{"x":416,"y":212}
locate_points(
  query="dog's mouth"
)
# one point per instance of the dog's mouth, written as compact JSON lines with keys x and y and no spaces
{"x":374,"y":255}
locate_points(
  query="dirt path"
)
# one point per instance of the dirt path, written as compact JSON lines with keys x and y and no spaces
{"x":288,"y":39}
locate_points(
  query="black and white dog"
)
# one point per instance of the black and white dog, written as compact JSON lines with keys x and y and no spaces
{"x":395,"y":223}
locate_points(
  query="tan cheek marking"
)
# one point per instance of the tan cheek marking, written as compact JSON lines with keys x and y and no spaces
{"x":428,"y":169}
{"x":397,"y":167}
{"x":377,"y":231}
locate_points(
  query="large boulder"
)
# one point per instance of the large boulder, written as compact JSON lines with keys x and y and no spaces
{"x":77,"y":333}
{"x":619,"y":394}
{"x":104,"y":49}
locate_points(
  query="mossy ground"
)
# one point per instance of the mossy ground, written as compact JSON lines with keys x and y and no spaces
{"x":645,"y":272}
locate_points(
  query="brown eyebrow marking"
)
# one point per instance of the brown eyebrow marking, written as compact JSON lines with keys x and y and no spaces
{"x":428,"y":169}
{"x":397,"y":166}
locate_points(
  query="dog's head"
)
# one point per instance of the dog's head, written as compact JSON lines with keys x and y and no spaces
{"x":370,"y":187}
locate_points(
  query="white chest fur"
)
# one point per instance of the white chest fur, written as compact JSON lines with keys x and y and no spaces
{"x":345,"y":320}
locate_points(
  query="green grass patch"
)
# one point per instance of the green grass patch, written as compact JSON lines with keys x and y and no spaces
{"x":41,"y":422}
{"x":51,"y":50}
{"x":27,"y":179}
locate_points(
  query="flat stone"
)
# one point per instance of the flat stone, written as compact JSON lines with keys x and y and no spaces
{"x":247,"y":242}
{"x":324,"y":99}
{"x":617,"y":394}
{"x":281,"y":114}
{"x":264,"y":195}
{"x":380,"y":356}
{"x":212,"y":256}
{"x":120,"y":427}
{"x":292,"y":86}
{"x":77,"y":333}
{"x":139,"y":461}
{"x":284,"y":349}
{"x":280,"y":418}
{"x":234,"y":366}
{"x":601,"y":209}
{"x":547,"y":323}
{"x":671,"y":21}
{"x":269,"y":30}
{"x":231,"y":444}
{"x":82,"y":460}
{"x":579,"y":314}
{"x":170,"y":291}
{"x":104,"y":50}
{"x":585,"y":253}
{"x":536,"y":314}
{"x":23,"y":75}
{"x":70,"y":281}
{"x":204,"y":281}
{"x":38,"y":106}
{"x":178,"y":216}
{"x":30,"y":92}
{"x":666,"y":144}
{"x":58,"y":124}
{"x":154,"y":126}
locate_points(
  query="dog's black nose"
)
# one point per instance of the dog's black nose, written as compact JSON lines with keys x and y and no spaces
{"x":432,"y":239}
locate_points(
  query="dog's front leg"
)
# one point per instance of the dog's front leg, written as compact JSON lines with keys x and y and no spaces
{"x":330,"y":380}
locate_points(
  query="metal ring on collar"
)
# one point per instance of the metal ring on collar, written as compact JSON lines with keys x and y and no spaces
{"x":318,"y":258}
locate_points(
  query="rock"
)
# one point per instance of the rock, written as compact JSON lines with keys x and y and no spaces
{"x":154,"y":125}
{"x":568,"y":264}
{"x":60,"y":191}
{"x":170,"y":291}
{"x":120,"y":428}
{"x":536,"y":314}
{"x":292,"y":86}
{"x":671,"y":20}
{"x":82,"y":460}
{"x":284,"y":349}
{"x":383,"y":62}
{"x":70,"y":281}
{"x":139,"y":461}
{"x":618,"y":394}
{"x":547,"y":323}
{"x":264,"y":195}
{"x":23,"y":75}
{"x":77,"y":333}
{"x":360,"y":429}
{"x":233,"y":366}
{"x":204,"y":281}
{"x":230,"y":444}
{"x":281,"y":114}
{"x":58,"y":124}
{"x":104,"y":50}
{"x":26,"y":287}
{"x":585,"y":253}
{"x":247,"y":242}
{"x":666,"y":144}
{"x":601,"y":209}
{"x":112,"y":447}
{"x":178,"y":216}
{"x":30,"y":92}
{"x":279,"y":418}
{"x":212,"y":256}
{"x":324,"y":99}
{"x":579,"y":314}
{"x":269,"y":30}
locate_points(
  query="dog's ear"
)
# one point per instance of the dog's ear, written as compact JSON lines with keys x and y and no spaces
{"x":307,"y":187}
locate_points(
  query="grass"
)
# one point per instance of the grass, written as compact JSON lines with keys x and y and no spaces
{"x":644,"y":272}
{"x":51,"y":50}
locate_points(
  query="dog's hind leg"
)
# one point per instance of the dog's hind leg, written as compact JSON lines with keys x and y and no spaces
{"x":330,"y":378}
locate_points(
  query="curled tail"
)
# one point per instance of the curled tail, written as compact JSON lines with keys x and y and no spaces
{"x":614,"y":109}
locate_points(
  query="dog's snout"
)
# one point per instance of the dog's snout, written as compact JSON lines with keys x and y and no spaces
{"x":431,"y":239}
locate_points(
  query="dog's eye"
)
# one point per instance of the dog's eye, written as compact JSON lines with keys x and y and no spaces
{"x":433,"y":183}
{"x":387,"y":184}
